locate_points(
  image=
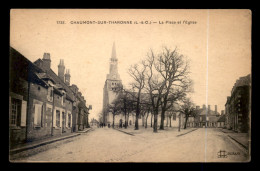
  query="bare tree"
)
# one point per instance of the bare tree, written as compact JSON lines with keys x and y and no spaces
{"x":188,"y":109}
{"x":115,"y":108}
{"x":137,"y":72}
{"x":167,"y":81}
{"x":126,"y":99}
{"x":153,"y":87}
{"x":173,"y":68}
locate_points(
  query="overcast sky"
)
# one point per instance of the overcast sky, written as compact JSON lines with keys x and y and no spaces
{"x":86,"y":48}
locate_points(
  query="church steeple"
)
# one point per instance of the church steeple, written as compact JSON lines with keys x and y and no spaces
{"x":113,"y":71}
{"x":113,"y":51}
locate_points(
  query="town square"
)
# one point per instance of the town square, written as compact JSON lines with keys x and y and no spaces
{"x":130,"y":92}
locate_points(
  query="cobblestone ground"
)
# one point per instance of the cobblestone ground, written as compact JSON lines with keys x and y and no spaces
{"x":109,"y":145}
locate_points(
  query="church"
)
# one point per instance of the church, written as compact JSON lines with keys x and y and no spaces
{"x":113,"y":80}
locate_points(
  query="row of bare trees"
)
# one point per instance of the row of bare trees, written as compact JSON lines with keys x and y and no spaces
{"x":158,"y":82}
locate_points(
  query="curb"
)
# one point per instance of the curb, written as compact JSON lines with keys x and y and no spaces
{"x":186,"y":132}
{"x":239,"y":143}
{"x":18,"y":150}
{"x":124,"y":132}
{"x":245,"y":147}
{"x":85,"y":131}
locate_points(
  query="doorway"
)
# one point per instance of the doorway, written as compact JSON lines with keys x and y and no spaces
{"x":63,"y":122}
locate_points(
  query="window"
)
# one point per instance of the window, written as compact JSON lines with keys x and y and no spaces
{"x":69,"y":120}
{"x":15,"y":112}
{"x":38,"y":113}
{"x":57,"y":118}
{"x":201,"y":118}
{"x":207,"y":118}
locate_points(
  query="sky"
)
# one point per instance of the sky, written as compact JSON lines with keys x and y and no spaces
{"x":216,"y":42}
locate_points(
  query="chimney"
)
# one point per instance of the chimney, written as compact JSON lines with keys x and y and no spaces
{"x":204,"y":106}
{"x":61,"y":69}
{"x":67,"y":77}
{"x":208,"y":108}
{"x":216,"y":109}
{"x":46,"y":61}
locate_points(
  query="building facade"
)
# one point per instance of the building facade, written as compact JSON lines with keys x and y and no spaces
{"x":205,"y":117}
{"x":238,"y":106}
{"x":41,"y":103}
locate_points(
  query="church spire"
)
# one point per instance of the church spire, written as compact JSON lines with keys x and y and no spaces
{"x":113,"y":51}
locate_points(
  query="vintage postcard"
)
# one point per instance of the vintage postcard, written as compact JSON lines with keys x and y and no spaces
{"x":130,"y":85}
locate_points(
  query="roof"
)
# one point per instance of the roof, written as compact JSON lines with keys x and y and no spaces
{"x":59,"y":82}
{"x":44,"y":76}
{"x":21,"y":67}
{"x":205,"y":111}
{"x":222,"y":118}
{"x":242,"y":81}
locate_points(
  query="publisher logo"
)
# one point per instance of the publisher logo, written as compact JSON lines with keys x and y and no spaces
{"x":225,"y":154}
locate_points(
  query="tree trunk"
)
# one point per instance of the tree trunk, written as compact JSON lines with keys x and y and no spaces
{"x":113,"y":125}
{"x":155,"y":122}
{"x":162,"y":120}
{"x":186,"y":119}
{"x":143,"y":120}
{"x":125,"y":121}
{"x":136,"y":122}
{"x":170,"y":121}
{"x":151,"y":120}
{"x":137,"y":115}
{"x":146,"y":120}
{"x":167,"y":121}
{"x":179,"y":122}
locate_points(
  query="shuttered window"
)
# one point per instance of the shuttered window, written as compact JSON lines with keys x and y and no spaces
{"x":23,"y":113}
{"x":15,"y":112}
{"x":57,"y":118}
{"x":38,"y":114}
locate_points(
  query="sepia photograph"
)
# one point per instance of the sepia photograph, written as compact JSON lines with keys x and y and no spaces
{"x":130,"y":85}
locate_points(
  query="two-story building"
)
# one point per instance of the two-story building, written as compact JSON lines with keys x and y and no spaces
{"x":40,"y":103}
